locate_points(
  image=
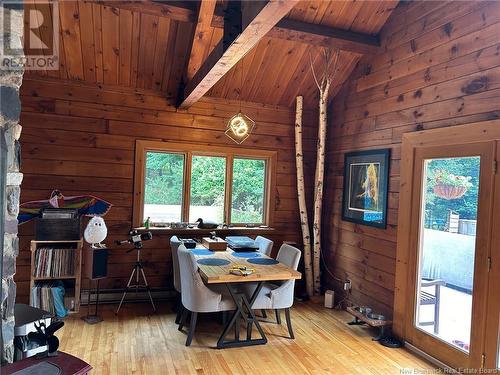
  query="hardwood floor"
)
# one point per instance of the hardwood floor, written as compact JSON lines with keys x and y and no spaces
{"x":137,"y":342}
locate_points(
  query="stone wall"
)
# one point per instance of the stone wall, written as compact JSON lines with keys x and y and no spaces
{"x":10,"y":130}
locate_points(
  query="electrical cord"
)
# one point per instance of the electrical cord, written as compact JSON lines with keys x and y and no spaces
{"x":326,"y":267}
{"x":345,"y":298}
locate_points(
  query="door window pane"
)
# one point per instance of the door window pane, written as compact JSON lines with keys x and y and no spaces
{"x":249,"y":178}
{"x":164,"y":176}
{"x":208,"y":176}
{"x":447,"y":249}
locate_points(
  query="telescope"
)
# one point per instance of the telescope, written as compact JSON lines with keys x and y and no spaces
{"x":138,"y":268}
{"x":136,"y":239}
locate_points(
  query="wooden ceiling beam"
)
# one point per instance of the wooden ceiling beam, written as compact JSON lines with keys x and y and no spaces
{"x":317,"y":35}
{"x":325,"y":36}
{"x":241,"y":34}
{"x":176,"y":10}
{"x":201,"y":37}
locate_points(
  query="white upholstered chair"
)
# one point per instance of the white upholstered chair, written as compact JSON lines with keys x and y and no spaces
{"x":265,"y":245}
{"x":275,"y":295}
{"x":196,"y":296}
{"x":174,"y":245}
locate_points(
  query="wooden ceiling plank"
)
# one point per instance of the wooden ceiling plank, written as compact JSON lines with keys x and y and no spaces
{"x":167,"y":68}
{"x":268,"y":69}
{"x":46,"y":14}
{"x":136,"y":40}
{"x":70,"y":25}
{"x":220,"y":61}
{"x":181,"y":51}
{"x":126,"y":29}
{"x":248,"y":73}
{"x":87,"y":35}
{"x":296,"y":52}
{"x":161,"y":51}
{"x":322,"y":10}
{"x":97,"y":21}
{"x":37,"y":17}
{"x":149,"y":30}
{"x":347,"y":13}
{"x":201,"y":37}
{"x":378,"y":16}
{"x":110,"y":44}
{"x":302,"y":74}
{"x":281,"y":84}
{"x":178,"y":11}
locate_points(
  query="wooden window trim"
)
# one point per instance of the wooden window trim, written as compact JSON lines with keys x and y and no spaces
{"x":143,"y":146}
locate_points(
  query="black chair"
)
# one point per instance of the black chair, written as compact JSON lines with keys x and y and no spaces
{"x":427,"y":298}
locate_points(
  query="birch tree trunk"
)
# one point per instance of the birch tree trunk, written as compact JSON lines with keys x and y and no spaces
{"x":304,"y":221}
{"x":318,"y":190}
{"x":324,"y":88}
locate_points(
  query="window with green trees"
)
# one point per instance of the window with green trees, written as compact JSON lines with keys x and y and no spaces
{"x":182,"y":186}
{"x":208,"y":181}
{"x":163,"y":186}
{"x":247,"y":203}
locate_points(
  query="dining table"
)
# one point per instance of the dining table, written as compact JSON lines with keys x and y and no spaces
{"x":214,"y":268}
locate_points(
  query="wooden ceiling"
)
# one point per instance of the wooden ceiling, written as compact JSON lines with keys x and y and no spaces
{"x":147,"y":45}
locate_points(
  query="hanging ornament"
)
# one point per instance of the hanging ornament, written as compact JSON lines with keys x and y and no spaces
{"x":239,"y":127}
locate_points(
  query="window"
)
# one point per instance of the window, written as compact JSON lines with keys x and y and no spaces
{"x":248,"y":192}
{"x":208,"y":183}
{"x":164,"y":178}
{"x":181,"y":183}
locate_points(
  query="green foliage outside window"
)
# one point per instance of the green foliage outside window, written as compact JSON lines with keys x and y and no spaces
{"x":164,"y":178}
{"x":248,"y":191}
{"x":208,"y":175}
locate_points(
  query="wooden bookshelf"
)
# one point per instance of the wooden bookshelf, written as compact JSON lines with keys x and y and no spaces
{"x":77,"y":246}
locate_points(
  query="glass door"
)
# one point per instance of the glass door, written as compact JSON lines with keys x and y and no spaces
{"x":450,"y":230}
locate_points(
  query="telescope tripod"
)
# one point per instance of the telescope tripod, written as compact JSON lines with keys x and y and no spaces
{"x":137,"y":270}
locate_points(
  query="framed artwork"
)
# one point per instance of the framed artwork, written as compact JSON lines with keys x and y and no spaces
{"x":366,"y":177}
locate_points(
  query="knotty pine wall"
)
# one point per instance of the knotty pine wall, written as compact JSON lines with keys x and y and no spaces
{"x":81,"y":138}
{"x":440,"y":66}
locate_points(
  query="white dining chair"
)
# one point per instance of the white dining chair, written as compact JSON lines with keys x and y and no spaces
{"x":265,"y":245}
{"x":196,"y":296}
{"x":275,"y":295}
{"x":174,"y":245}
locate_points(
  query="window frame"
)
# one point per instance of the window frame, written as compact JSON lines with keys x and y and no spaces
{"x":188,"y":150}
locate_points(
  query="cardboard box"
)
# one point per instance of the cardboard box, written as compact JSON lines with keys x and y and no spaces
{"x":217,"y":244}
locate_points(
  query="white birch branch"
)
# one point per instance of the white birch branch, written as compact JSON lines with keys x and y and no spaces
{"x":304,"y":221}
{"x":324,"y":87}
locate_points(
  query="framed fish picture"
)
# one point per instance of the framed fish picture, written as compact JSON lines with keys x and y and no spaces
{"x":366,"y":178}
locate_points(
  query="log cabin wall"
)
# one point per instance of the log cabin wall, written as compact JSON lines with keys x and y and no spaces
{"x":440,"y":66}
{"x":80,"y":138}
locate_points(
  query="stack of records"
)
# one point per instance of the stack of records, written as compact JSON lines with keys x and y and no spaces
{"x":49,"y":296}
{"x":50,"y":262}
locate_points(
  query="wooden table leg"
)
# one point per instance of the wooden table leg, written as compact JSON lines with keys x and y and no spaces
{"x":242,"y":304}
